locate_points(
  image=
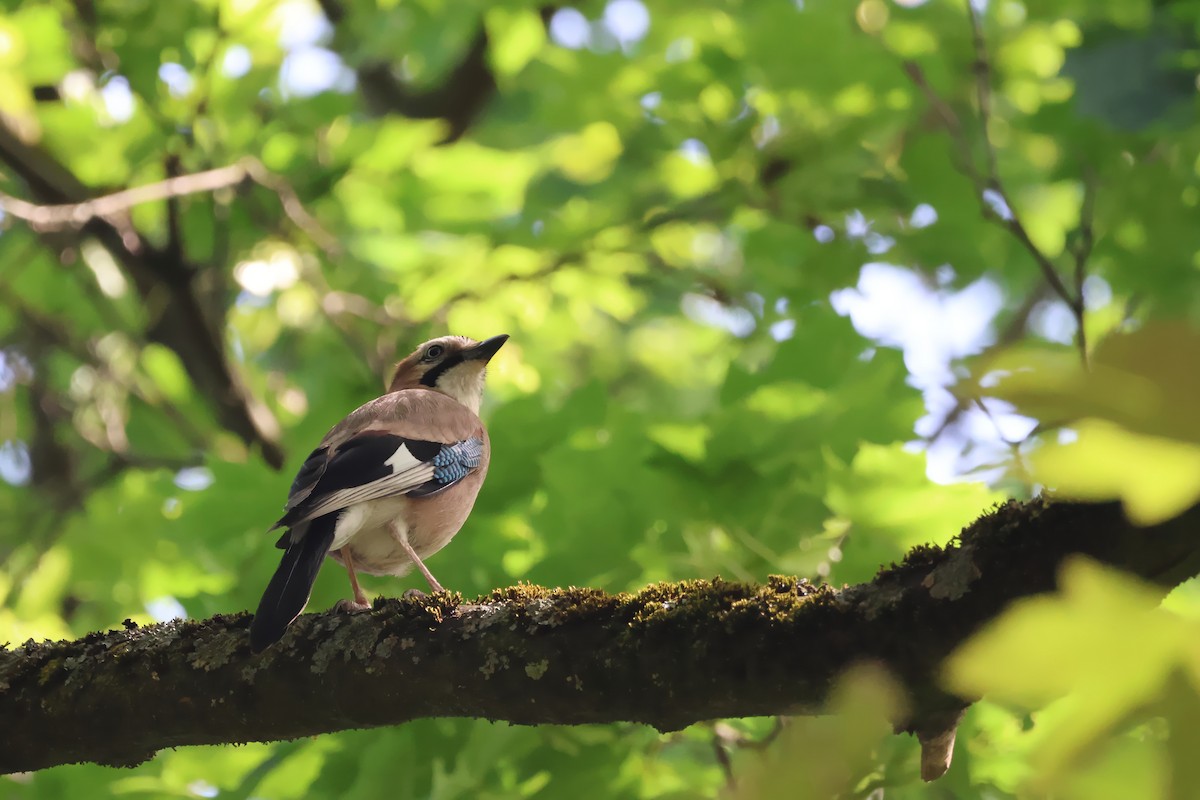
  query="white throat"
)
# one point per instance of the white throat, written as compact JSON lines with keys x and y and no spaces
{"x":463,"y":382}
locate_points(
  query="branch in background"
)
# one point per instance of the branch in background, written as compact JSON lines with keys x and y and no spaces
{"x":74,"y":216}
{"x":668,"y":656}
{"x":55,"y":468}
{"x":175,"y":248}
{"x":163,"y":277}
{"x":727,"y":738}
{"x":983,"y":83}
{"x":359,"y":349}
{"x":983,"y":91}
{"x":177,"y":318}
{"x":40,"y":538}
{"x":459,"y":99}
{"x":1012,"y":332}
{"x":989,"y":181}
{"x":1081,"y":253}
{"x":295,"y":210}
{"x":965,"y":158}
{"x":35,"y":323}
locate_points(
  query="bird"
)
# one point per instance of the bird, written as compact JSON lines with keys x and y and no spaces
{"x":389,"y":485}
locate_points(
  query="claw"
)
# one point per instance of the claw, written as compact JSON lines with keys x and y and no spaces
{"x":345,"y":606}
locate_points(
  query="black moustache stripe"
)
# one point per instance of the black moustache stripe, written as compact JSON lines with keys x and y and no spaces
{"x":431,"y":377}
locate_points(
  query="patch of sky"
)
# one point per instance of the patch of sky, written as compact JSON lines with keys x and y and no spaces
{"x":710,"y":311}
{"x":118,"y":99}
{"x":178,"y":80}
{"x":15,"y":466}
{"x":164,"y":609}
{"x":194,"y":479}
{"x":622,"y":24}
{"x":933,"y":325}
{"x":569,"y":28}
{"x":237,"y":61}
{"x":308,"y":71}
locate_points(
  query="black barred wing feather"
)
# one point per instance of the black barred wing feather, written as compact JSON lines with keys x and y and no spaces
{"x":452,"y":463}
{"x":375,"y":464}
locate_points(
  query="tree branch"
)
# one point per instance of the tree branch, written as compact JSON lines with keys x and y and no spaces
{"x":1082,"y":252}
{"x":460,"y":97}
{"x":163,"y":277}
{"x":458,"y":100}
{"x":989,"y":181}
{"x":671,"y":655}
{"x":74,"y":215}
{"x":177,"y":318}
{"x":67,"y":216}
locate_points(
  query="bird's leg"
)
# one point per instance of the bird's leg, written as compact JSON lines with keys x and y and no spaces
{"x":360,"y":602}
{"x":401,"y":537}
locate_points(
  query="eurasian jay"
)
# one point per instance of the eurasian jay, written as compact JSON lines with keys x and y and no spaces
{"x":389,"y":485}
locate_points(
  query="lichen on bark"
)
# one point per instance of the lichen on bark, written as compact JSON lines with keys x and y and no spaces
{"x":668,"y":655}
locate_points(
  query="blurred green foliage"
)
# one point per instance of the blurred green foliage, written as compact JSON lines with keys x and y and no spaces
{"x":669,"y":207}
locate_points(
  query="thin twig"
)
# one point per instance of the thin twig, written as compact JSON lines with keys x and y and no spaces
{"x":280,"y":753}
{"x":206,"y":68}
{"x":1044,"y":264}
{"x":1012,"y":332}
{"x":721,"y":752}
{"x":85,"y":353}
{"x":983,"y":92}
{"x":987,"y":412}
{"x":1087,"y":236}
{"x":1073,"y":299}
{"x":950,"y":120}
{"x":726,"y":737}
{"x":76,"y":215}
{"x":364,"y":354}
{"x":1083,"y":251}
{"x":768,"y":739}
{"x":989,"y":181}
{"x":292,"y":206}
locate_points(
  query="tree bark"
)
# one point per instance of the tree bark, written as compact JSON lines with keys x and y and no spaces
{"x":668,"y":656}
{"x":177,"y":316}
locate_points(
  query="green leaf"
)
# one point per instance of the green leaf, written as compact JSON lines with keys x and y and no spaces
{"x":515,"y":38}
{"x":1102,"y":650}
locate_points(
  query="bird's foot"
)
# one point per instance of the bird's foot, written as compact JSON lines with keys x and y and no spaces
{"x":345,"y":606}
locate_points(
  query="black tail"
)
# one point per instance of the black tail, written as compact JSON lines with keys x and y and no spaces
{"x":287,"y":593}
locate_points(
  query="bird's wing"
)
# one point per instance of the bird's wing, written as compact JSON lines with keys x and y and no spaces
{"x":383,"y":454}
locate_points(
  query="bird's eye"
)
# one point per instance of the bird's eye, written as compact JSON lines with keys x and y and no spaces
{"x":434,"y":351}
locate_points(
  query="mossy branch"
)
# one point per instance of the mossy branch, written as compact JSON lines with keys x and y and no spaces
{"x":667,"y":656}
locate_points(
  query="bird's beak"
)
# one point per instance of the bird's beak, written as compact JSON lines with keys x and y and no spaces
{"x":485,"y":349}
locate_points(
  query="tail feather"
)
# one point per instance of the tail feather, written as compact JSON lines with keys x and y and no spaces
{"x":290,"y":587}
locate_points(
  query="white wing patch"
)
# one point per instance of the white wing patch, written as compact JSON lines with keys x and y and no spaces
{"x":402,"y":460}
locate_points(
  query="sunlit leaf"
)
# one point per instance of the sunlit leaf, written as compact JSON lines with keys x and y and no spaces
{"x":1103,"y":650}
{"x":1156,"y":478}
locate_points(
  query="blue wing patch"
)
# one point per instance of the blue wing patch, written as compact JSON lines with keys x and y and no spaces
{"x":452,"y":463}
